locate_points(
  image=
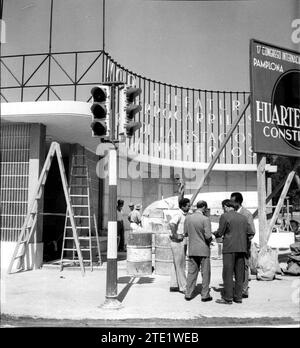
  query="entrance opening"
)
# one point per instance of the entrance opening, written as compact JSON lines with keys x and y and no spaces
{"x":54,"y":212}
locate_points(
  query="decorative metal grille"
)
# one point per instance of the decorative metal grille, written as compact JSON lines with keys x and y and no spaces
{"x":179,"y":123}
{"x":14,"y":169}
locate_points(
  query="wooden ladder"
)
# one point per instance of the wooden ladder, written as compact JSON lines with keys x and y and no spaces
{"x":31,"y":217}
{"x":84,"y":214}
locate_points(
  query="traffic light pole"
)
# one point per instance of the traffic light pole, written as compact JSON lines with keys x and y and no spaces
{"x":111,"y":300}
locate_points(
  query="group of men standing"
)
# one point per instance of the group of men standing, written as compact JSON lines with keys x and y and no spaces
{"x":236,"y":229}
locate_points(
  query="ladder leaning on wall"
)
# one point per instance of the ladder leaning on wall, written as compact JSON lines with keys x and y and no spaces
{"x":81,"y":201}
{"x":28,"y":228}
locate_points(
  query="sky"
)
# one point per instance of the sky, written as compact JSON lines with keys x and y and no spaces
{"x":195,"y":44}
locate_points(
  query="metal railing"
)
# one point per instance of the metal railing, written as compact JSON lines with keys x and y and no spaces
{"x":179,"y":123}
{"x":50,"y":71}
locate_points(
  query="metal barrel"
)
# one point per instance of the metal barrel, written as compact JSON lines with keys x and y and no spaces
{"x":139,"y":253}
{"x":163,"y":253}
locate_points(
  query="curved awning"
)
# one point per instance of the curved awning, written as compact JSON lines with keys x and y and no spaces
{"x":69,"y":122}
{"x":65,"y":121}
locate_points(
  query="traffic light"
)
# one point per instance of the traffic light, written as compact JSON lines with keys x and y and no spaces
{"x":128,"y":109}
{"x":101,"y":111}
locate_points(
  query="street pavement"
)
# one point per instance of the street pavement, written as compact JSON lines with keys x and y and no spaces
{"x":53,"y":294}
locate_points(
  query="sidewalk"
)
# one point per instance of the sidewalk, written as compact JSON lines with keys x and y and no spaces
{"x":49,"y":293}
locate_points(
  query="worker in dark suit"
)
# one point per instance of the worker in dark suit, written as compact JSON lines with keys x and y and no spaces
{"x":236,"y":232}
{"x":237,"y":197}
{"x":197,"y":227}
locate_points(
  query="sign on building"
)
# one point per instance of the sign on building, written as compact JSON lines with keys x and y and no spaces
{"x":275,"y":99}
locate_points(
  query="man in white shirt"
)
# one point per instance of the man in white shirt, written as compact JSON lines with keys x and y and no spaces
{"x":136,"y":218}
{"x":178,"y":247}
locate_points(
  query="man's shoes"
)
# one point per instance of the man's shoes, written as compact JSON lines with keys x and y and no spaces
{"x":174,"y":289}
{"x":222,"y":301}
{"x":187,"y":298}
{"x":206,"y":299}
{"x":237,"y":301}
{"x":245,"y":296}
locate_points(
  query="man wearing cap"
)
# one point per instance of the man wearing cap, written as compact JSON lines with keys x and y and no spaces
{"x":131,"y":207}
{"x":136,"y":218}
{"x":197,"y":227}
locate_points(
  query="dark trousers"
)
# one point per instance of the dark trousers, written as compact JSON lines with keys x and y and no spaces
{"x":233,"y":264}
{"x":120,"y":232}
{"x":195,"y":264}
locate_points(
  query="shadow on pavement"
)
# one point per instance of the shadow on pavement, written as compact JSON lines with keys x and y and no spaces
{"x":130,"y":281}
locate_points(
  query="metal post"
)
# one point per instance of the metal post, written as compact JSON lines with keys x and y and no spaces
{"x":103,"y":25}
{"x":219,"y":151}
{"x":1,"y":9}
{"x":1,"y":17}
{"x":288,"y":214}
{"x":50,"y":48}
{"x":261,"y":191}
{"x":111,"y":301}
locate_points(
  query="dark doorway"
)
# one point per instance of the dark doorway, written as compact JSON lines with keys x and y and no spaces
{"x":54,"y":212}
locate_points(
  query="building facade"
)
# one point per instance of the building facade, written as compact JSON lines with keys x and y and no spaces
{"x":181,"y":131}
